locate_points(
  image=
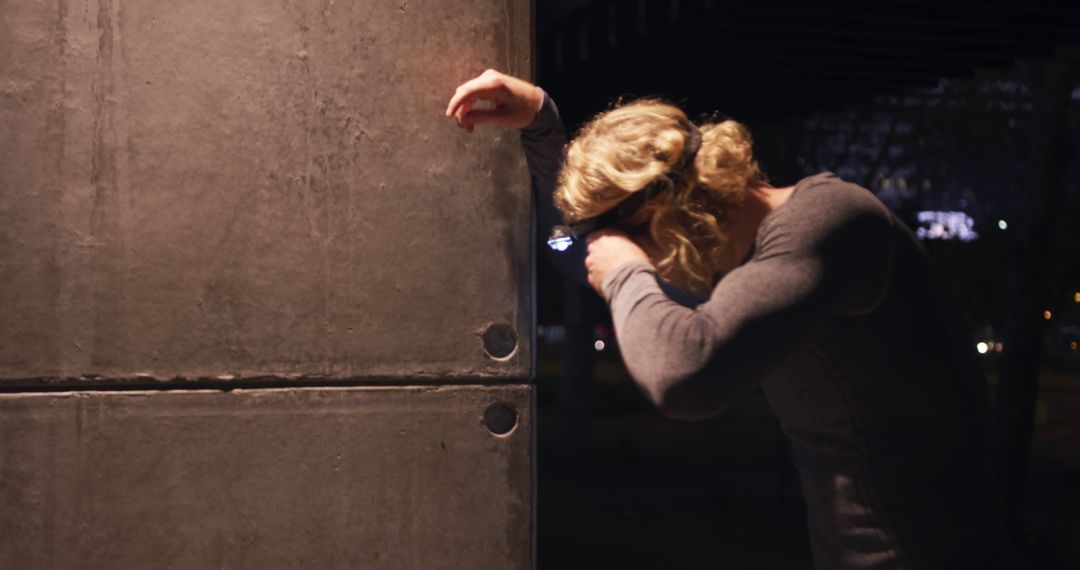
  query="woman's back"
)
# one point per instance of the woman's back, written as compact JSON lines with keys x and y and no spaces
{"x":885,"y":407}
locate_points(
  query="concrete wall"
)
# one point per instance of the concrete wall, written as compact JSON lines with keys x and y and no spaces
{"x":372,"y":478}
{"x":244,"y":188}
{"x":216,"y":194}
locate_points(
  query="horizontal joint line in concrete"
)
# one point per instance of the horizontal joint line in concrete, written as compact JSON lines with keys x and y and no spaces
{"x":102,"y":384}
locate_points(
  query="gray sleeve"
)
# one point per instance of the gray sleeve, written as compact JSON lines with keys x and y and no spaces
{"x":543,"y":142}
{"x":826,"y":257}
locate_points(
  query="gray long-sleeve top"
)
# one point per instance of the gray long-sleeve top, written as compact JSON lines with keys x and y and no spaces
{"x":836,"y":316}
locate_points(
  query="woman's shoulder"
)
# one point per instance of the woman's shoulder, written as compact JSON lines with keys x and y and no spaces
{"x":845,"y":229}
{"x":827,"y":198}
{"x":834,"y":193}
{"x":825,"y":206}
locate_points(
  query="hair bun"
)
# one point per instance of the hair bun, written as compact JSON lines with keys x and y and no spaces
{"x":725,"y":161}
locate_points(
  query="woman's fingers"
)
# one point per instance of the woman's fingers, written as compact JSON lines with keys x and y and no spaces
{"x":476,"y":88}
{"x":462,"y":110}
{"x":497,"y":116}
{"x":459,"y":114}
{"x":607,"y":250}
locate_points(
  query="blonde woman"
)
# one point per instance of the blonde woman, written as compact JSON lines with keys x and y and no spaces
{"x":814,"y":291}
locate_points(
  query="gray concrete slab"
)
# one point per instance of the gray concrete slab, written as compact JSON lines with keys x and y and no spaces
{"x":373,"y":478}
{"x":240,"y":189}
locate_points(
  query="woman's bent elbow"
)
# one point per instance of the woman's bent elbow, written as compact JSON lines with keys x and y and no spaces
{"x":675,"y":402}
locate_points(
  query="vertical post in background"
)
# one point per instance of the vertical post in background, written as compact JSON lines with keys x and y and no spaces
{"x":1031,"y":257}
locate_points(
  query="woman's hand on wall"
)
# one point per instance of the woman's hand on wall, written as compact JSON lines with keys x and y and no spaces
{"x":609,"y":249}
{"x":512,"y":102}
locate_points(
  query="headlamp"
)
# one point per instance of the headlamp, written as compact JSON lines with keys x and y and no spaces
{"x":561,"y":239}
{"x":563,"y":236}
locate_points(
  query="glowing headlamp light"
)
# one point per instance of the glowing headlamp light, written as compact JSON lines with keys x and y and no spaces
{"x":562,"y":237}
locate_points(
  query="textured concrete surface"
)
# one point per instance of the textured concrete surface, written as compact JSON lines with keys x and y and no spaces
{"x":230,"y":189}
{"x":373,"y":478}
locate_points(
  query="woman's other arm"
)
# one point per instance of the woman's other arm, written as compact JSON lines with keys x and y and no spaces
{"x":832,"y":260}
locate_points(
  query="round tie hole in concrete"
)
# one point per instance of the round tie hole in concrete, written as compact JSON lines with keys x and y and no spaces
{"x":500,"y":418}
{"x":500,"y":341}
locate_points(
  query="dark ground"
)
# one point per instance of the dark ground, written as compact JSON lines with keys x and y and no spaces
{"x":653,"y":493}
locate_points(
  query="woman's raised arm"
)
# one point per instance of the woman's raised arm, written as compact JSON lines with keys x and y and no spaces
{"x":513,"y":103}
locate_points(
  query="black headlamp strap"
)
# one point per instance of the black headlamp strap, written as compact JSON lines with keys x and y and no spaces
{"x":690,"y":148}
{"x":623,"y":209}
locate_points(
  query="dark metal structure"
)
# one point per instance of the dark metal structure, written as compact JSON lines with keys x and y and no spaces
{"x":768,"y":62}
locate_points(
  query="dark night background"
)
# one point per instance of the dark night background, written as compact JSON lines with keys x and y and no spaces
{"x":964,"y":117}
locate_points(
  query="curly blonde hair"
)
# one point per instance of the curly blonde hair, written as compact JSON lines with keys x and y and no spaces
{"x":624,"y":150}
